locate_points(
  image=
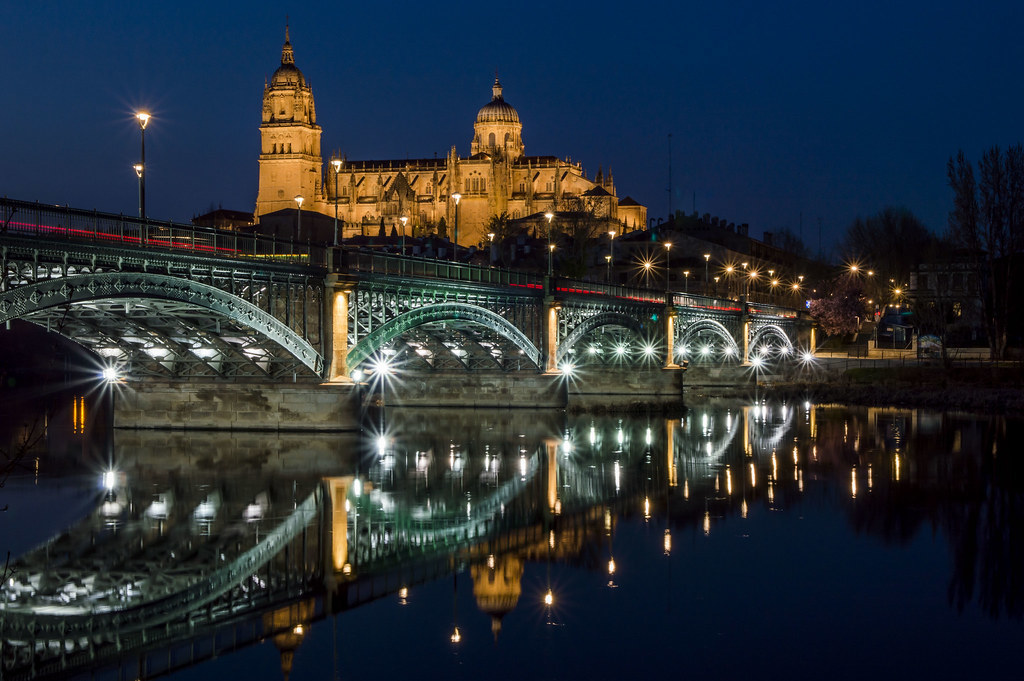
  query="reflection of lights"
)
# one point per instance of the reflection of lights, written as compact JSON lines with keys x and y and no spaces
{"x":753,"y":475}
{"x":620,"y":436}
{"x":707,"y":523}
{"x":551,"y":538}
{"x":686,"y":488}
{"x":743,"y":509}
{"x":611,"y":566}
{"x":490,"y":561}
{"x":522,"y":465}
{"x":566,"y":446}
{"x":647,"y":435}
{"x":109,"y":480}
{"x":666,"y":543}
{"x":346,"y":568}
{"x":403,"y":595}
{"x":456,"y":636}
{"x":728,"y":480}
{"x":298,"y":630}
{"x":617,"y":476}
{"x":853,"y":482}
{"x":896,"y":465}
{"x":382,"y":445}
{"x":647,"y":508}
{"x":549,"y":598}
{"x":593,"y":435}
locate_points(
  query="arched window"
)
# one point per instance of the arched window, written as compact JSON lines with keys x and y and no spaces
{"x":483,"y":185}
{"x":507,"y":138}
{"x":490,"y":139}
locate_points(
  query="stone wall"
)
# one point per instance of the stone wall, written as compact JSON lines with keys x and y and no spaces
{"x":236,"y":406}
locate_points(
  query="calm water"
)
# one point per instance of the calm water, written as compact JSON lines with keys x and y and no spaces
{"x":741,"y":541}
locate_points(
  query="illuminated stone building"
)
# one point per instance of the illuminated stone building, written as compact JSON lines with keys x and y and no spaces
{"x":497,"y":177}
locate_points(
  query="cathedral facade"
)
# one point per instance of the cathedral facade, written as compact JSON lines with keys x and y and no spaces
{"x":497,"y":177}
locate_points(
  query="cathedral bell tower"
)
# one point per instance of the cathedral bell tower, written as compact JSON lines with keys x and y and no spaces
{"x":290,"y":161}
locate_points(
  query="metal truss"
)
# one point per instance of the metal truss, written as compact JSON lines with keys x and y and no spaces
{"x":771,"y":335}
{"x":178,"y":328}
{"x":586,"y":324}
{"x":454,"y":316}
{"x":707,"y":327}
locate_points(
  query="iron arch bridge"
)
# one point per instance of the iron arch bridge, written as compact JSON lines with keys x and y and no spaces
{"x":167,"y":300}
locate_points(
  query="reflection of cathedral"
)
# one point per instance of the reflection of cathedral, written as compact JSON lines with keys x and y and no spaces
{"x":496,"y":178}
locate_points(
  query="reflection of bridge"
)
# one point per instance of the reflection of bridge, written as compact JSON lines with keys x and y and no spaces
{"x":170,"y":300}
{"x":164,"y":566}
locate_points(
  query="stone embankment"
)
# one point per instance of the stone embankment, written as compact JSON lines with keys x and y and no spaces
{"x":985,"y":388}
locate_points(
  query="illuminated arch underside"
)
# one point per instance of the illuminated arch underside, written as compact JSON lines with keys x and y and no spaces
{"x":164,"y":326}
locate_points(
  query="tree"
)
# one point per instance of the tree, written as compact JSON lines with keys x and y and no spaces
{"x":988,"y":220}
{"x":786,"y":241}
{"x":891,"y":243}
{"x":579,"y":226}
{"x":838,"y":311}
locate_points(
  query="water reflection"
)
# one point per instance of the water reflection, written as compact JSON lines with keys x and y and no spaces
{"x":201,"y":544}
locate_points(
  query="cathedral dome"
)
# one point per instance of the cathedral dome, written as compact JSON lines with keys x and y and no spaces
{"x":497,"y":110}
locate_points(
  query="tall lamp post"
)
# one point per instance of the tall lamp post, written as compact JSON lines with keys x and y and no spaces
{"x":337,"y":169}
{"x":551,"y":247}
{"x":668,"y":266}
{"x":458,"y":197}
{"x":611,"y":247}
{"x":707,"y":259}
{"x":143,"y":118}
{"x":298,"y":224}
{"x":608,"y":262}
{"x":138,"y":172}
{"x":686,"y":279}
{"x":404,"y":220}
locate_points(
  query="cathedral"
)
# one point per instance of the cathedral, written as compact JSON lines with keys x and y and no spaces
{"x":497,"y":177}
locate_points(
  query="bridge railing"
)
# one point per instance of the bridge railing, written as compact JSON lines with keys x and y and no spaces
{"x":71,"y":224}
{"x":357,"y":260}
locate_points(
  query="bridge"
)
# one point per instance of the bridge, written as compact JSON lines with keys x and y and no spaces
{"x":176,"y":301}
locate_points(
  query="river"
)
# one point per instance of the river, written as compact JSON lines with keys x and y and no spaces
{"x":759,"y":540}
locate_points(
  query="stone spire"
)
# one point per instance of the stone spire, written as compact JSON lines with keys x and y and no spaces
{"x":287,"y":56}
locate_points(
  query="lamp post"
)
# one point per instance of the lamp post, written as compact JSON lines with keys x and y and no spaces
{"x":608,"y":263}
{"x":750,"y":279}
{"x":404,"y":220}
{"x":686,"y":279}
{"x":455,"y":246}
{"x":716,"y":286}
{"x":138,"y":172}
{"x":337,"y":169}
{"x":298,"y":228}
{"x":490,"y":248}
{"x":143,"y":118}
{"x":668,"y":266}
{"x":707,"y":259}
{"x":551,"y":248}
{"x":611,"y":248}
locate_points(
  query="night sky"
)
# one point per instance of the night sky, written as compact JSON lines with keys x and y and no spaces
{"x":776,"y":110}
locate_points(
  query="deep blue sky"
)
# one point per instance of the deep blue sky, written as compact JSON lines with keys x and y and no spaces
{"x":775,"y":109}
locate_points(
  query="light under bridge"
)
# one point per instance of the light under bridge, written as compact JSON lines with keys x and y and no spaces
{"x":176,"y":301}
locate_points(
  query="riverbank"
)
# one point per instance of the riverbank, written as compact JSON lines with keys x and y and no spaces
{"x":982,"y":390}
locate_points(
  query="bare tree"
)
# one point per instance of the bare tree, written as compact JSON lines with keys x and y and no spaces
{"x":988,"y":220}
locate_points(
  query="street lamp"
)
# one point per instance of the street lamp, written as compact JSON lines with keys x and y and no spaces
{"x":551,"y":248}
{"x":457,"y":197}
{"x":686,"y":279}
{"x":751,"y":278}
{"x":611,"y":246}
{"x":608,"y":264}
{"x":707,"y":259}
{"x":298,"y":228}
{"x":337,"y":169}
{"x":668,"y":266}
{"x":138,"y":172}
{"x":404,"y":220}
{"x":143,"y":118}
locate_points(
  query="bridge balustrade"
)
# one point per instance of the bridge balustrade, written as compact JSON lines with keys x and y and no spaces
{"x":60,"y":222}
{"x":357,"y":260}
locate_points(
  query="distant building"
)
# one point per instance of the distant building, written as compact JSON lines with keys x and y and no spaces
{"x":497,"y":177}
{"x":221,"y":218}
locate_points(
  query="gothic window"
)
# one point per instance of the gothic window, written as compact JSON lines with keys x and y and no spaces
{"x":467,"y":185}
{"x":522,"y":186}
{"x":515,"y":215}
{"x":507,"y":138}
{"x":483,"y":185}
{"x":490,"y":139}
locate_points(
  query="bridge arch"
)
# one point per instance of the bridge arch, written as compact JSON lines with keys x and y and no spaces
{"x":715,"y":328}
{"x":769,"y":332}
{"x":593,"y":323}
{"x":79,"y":290}
{"x":439,"y":312}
